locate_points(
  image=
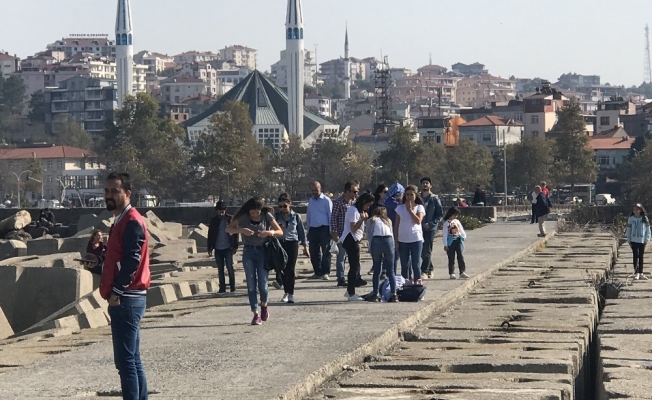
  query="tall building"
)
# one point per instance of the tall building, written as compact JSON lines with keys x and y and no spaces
{"x":242,"y":56}
{"x":347,"y":69}
{"x":296,"y":60}
{"x":279,"y":70}
{"x":124,"y":50}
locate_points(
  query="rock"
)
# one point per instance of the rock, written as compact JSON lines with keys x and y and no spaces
{"x":36,"y":231}
{"x":16,"y":222}
{"x":18,"y":235}
{"x":174,"y":228}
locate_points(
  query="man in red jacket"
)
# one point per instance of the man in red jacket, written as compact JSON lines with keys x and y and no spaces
{"x":125,"y":280}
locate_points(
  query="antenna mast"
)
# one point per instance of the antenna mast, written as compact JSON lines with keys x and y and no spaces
{"x":647,"y":71}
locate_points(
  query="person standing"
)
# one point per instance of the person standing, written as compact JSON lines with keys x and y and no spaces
{"x":318,"y":220}
{"x":293,"y":235}
{"x":454,"y":236}
{"x":224,"y":245}
{"x":124,"y":283}
{"x":434,"y":213}
{"x":255,"y":223}
{"x":542,"y":207}
{"x":379,"y":195}
{"x":354,"y":220}
{"x":544,"y":189}
{"x":534,"y":208}
{"x":351,"y":190}
{"x":408,"y":234}
{"x":638,"y":236}
{"x":479,"y":199}
{"x":380,"y":235}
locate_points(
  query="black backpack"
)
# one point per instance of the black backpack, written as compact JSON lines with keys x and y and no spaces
{"x":411,"y":293}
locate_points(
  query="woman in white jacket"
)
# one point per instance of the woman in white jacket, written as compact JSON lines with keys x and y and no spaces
{"x":638,"y":235}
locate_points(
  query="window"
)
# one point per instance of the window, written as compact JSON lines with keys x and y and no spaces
{"x":603,"y":160}
{"x":604,"y":121}
{"x":50,"y":164}
{"x":487,"y":137}
{"x":438,"y":139}
{"x":534,"y":119}
{"x":50,"y":180}
{"x":11,"y":164}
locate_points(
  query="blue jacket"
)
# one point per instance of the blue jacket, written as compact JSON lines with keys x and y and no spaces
{"x":293,"y":230}
{"x":434,"y":213}
{"x":638,"y":230}
{"x":542,"y":206}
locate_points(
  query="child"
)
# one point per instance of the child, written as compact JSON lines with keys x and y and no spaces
{"x":382,"y":252}
{"x":454,"y":237}
{"x":638,"y":235}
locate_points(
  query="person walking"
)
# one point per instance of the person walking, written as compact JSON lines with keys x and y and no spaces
{"x":354,"y":220}
{"x":381,"y":238}
{"x":434,"y":213}
{"x":340,"y":206}
{"x":318,"y":220}
{"x":124,"y":283}
{"x":542,"y":209}
{"x":454,"y":237}
{"x":379,"y":195}
{"x":293,"y":235}
{"x":638,"y":236}
{"x":408,"y":234}
{"x":224,"y":245}
{"x":255,"y":223}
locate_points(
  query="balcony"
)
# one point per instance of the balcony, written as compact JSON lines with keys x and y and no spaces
{"x":94,"y":106}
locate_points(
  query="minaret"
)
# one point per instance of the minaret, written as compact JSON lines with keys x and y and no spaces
{"x":347,"y":67}
{"x":124,"y":50}
{"x":295,"y":57}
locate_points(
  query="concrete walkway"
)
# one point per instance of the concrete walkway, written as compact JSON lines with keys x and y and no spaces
{"x":212,"y":352}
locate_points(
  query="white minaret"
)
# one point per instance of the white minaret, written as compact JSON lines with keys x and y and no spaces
{"x":296,"y":55}
{"x":347,"y":67}
{"x":124,"y":50}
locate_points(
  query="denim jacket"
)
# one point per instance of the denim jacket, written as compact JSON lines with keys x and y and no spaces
{"x":293,"y":230}
{"x":434,"y":213}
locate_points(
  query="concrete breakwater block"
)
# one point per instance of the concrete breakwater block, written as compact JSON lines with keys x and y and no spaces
{"x":174,"y":228}
{"x":182,"y":290}
{"x":12,"y":248}
{"x":5,"y":326}
{"x":159,"y":295}
{"x":199,"y":287}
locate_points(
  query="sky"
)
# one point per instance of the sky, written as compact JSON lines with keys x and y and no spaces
{"x":524,"y":38}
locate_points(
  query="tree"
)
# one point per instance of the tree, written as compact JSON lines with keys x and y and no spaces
{"x":12,"y":95}
{"x":37,"y":107}
{"x":325,"y":164}
{"x":149,"y":147}
{"x":640,"y":143}
{"x":400,"y":160}
{"x":290,"y":164}
{"x":34,"y":178}
{"x":635,"y":178}
{"x":69,"y":132}
{"x":574,"y":159}
{"x":467,"y":165}
{"x":529,"y":163}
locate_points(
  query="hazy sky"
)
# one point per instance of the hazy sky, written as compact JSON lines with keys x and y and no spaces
{"x":525,"y":38}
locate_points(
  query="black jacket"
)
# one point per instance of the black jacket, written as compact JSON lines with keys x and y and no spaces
{"x":275,"y":256}
{"x":478,"y":197}
{"x":213,"y":231}
{"x":542,"y":206}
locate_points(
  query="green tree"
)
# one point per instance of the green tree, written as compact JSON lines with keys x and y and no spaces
{"x":290,"y":165}
{"x":37,"y":107}
{"x":574,"y":159}
{"x":640,"y":143}
{"x":325,"y":164}
{"x":636,"y":179}
{"x":400,"y":160}
{"x":529,"y":163}
{"x":149,"y":148}
{"x":12,"y":96}
{"x":467,"y":165}
{"x":34,"y":178}
{"x":69,"y":132}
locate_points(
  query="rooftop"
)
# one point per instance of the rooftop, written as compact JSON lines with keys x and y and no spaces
{"x":491,"y":120}
{"x":45,"y":152}
{"x":615,"y":143}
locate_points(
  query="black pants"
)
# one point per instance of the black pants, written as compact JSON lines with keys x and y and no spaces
{"x":534,"y":214}
{"x":353,"y":253}
{"x":224,"y":258}
{"x":453,"y":249}
{"x":638,"y":250}
{"x":426,"y":252}
{"x":288,"y":275}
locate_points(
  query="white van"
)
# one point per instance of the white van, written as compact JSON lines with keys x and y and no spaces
{"x":604,"y":199}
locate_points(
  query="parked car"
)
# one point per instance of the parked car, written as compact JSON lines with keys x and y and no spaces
{"x":604,"y":199}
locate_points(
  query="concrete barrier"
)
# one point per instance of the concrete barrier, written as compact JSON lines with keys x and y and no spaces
{"x":481,"y":213}
{"x":159,"y":295}
{"x":12,"y":248}
{"x":43,"y":246}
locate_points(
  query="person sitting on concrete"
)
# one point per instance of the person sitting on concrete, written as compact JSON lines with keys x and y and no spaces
{"x":96,"y":245}
{"x":479,"y":199}
{"x":542,"y":207}
{"x":225,"y":246}
{"x":46,"y":218}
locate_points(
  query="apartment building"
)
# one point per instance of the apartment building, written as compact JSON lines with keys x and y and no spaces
{"x":242,"y":56}
{"x":99,"y":45}
{"x":8,"y":64}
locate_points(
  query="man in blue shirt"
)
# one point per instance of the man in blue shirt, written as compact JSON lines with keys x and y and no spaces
{"x":318,"y":219}
{"x":430,"y":222}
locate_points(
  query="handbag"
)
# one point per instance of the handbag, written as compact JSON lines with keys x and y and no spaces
{"x":411,"y":293}
{"x":275,"y":256}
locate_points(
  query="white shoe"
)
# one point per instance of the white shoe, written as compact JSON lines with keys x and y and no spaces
{"x":291,"y":299}
{"x":326,"y":278}
{"x":355,"y":297}
{"x":285,"y":298}
{"x":463,"y":275}
{"x":424,"y":276}
{"x":637,"y":277}
{"x":453,"y":276}
{"x":642,"y":276}
{"x":371,"y":272}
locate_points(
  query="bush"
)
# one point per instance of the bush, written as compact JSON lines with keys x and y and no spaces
{"x":470,"y":222}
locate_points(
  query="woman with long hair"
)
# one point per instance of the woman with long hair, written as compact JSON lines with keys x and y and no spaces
{"x":638,"y":236}
{"x":379,"y":201}
{"x":255,"y":223}
{"x":354,"y":220}
{"x":293,"y":235}
{"x":382,"y":252}
{"x":96,"y":244}
{"x":408,"y":234}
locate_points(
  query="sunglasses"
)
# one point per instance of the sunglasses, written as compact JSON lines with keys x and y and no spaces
{"x":385,"y":191}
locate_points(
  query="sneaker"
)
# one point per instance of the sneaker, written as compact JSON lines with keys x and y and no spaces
{"x":431,"y":275}
{"x":642,"y":276}
{"x":355,"y":297}
{"x":291,"y":299}
{"x":276,"y":285}
{"x":453,"y":276}
{"x":637,"y":276}
{"x":264,"y":313}
{"x":424,"y":276}
{"x":221,"y":291}
{"x":463,"y":275}
{"x":341,"y":282}
{"x":257,"y":320}
{"x":541,"y":235}
{"x":326,"y":277}
{"x":360,"y":282}
{"x":371,"y":272}
{"x":393,"y":299}
{"x":285,"y":298}
{"x":419,"y":282}
{"x":346,"y":294}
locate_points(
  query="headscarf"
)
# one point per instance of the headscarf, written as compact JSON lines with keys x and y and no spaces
{"x":395,"y":189}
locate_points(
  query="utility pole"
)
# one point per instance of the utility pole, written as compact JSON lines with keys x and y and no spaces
{"x":505,"y":162}
{"x":228,"y":183}
{"x":647,"y":71}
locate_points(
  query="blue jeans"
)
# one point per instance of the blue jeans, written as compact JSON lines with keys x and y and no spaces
{"x":319,"y":244}
{"x":253,"y":260}
{"x":382,"y":254}
{"x":410,"y":253}
{"x":426,"y":253}
{"x":224,"y":258}
{"x":125,"y":332}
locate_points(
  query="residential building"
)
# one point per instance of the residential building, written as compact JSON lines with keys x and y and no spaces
{"x":398,"y":73}
{"x":177,"y":112}
{"x":177,"y":88}
{"x":242,"y":56}
{"x":42,"y":77}
{"x":229,"y":77}
{"x":8,"y":64}
{"x":205,"y":72}
{"x":469,"y":70}
{"x":267,"y":104}
{"x":106,"y":68}
{"x":610,"y":152}
{"x":425,"y":87}
{"x":483,"y":86}
{"x":609,"y":113}
{"x":195,"y":56}
{"x":279,"y":70}
{"x":540,"y":110}
{"x":319,"y":105}
{"x":99,"y":45}
{"x":573,"y":81}
{"x":68,"y":172}
{"x":492,"y":132}
{"x":640,"y":123}
{"x":442,"y":130}
{"x":155,"y":62}
{"x":361,"y":69}
{"x":511,"y":110}
{"x":89,"y":101}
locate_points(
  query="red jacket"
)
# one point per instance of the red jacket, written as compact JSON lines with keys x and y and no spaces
{"x":125,"y":270}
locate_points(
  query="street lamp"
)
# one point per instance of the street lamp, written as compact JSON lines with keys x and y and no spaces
{"x":228,"y":182}
{"x":18,"y":183}
{"x":505,"y":162}
{"x":376,"y":168}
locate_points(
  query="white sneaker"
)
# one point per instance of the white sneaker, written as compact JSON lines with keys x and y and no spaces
{"x":285,"y":298}
{"x":453,"y":276}
{"x":642,"y":276}
{"x":371,"y":272}
{"x":291,"y":299}
{"x":637,"y":277}
{"x":463,"y":275}
{"x":355,"y":297}
{"x":326,"y":278}
{"x":424,"y":276}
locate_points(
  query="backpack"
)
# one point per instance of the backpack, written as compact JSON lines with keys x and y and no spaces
{"x":411,"y":293}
